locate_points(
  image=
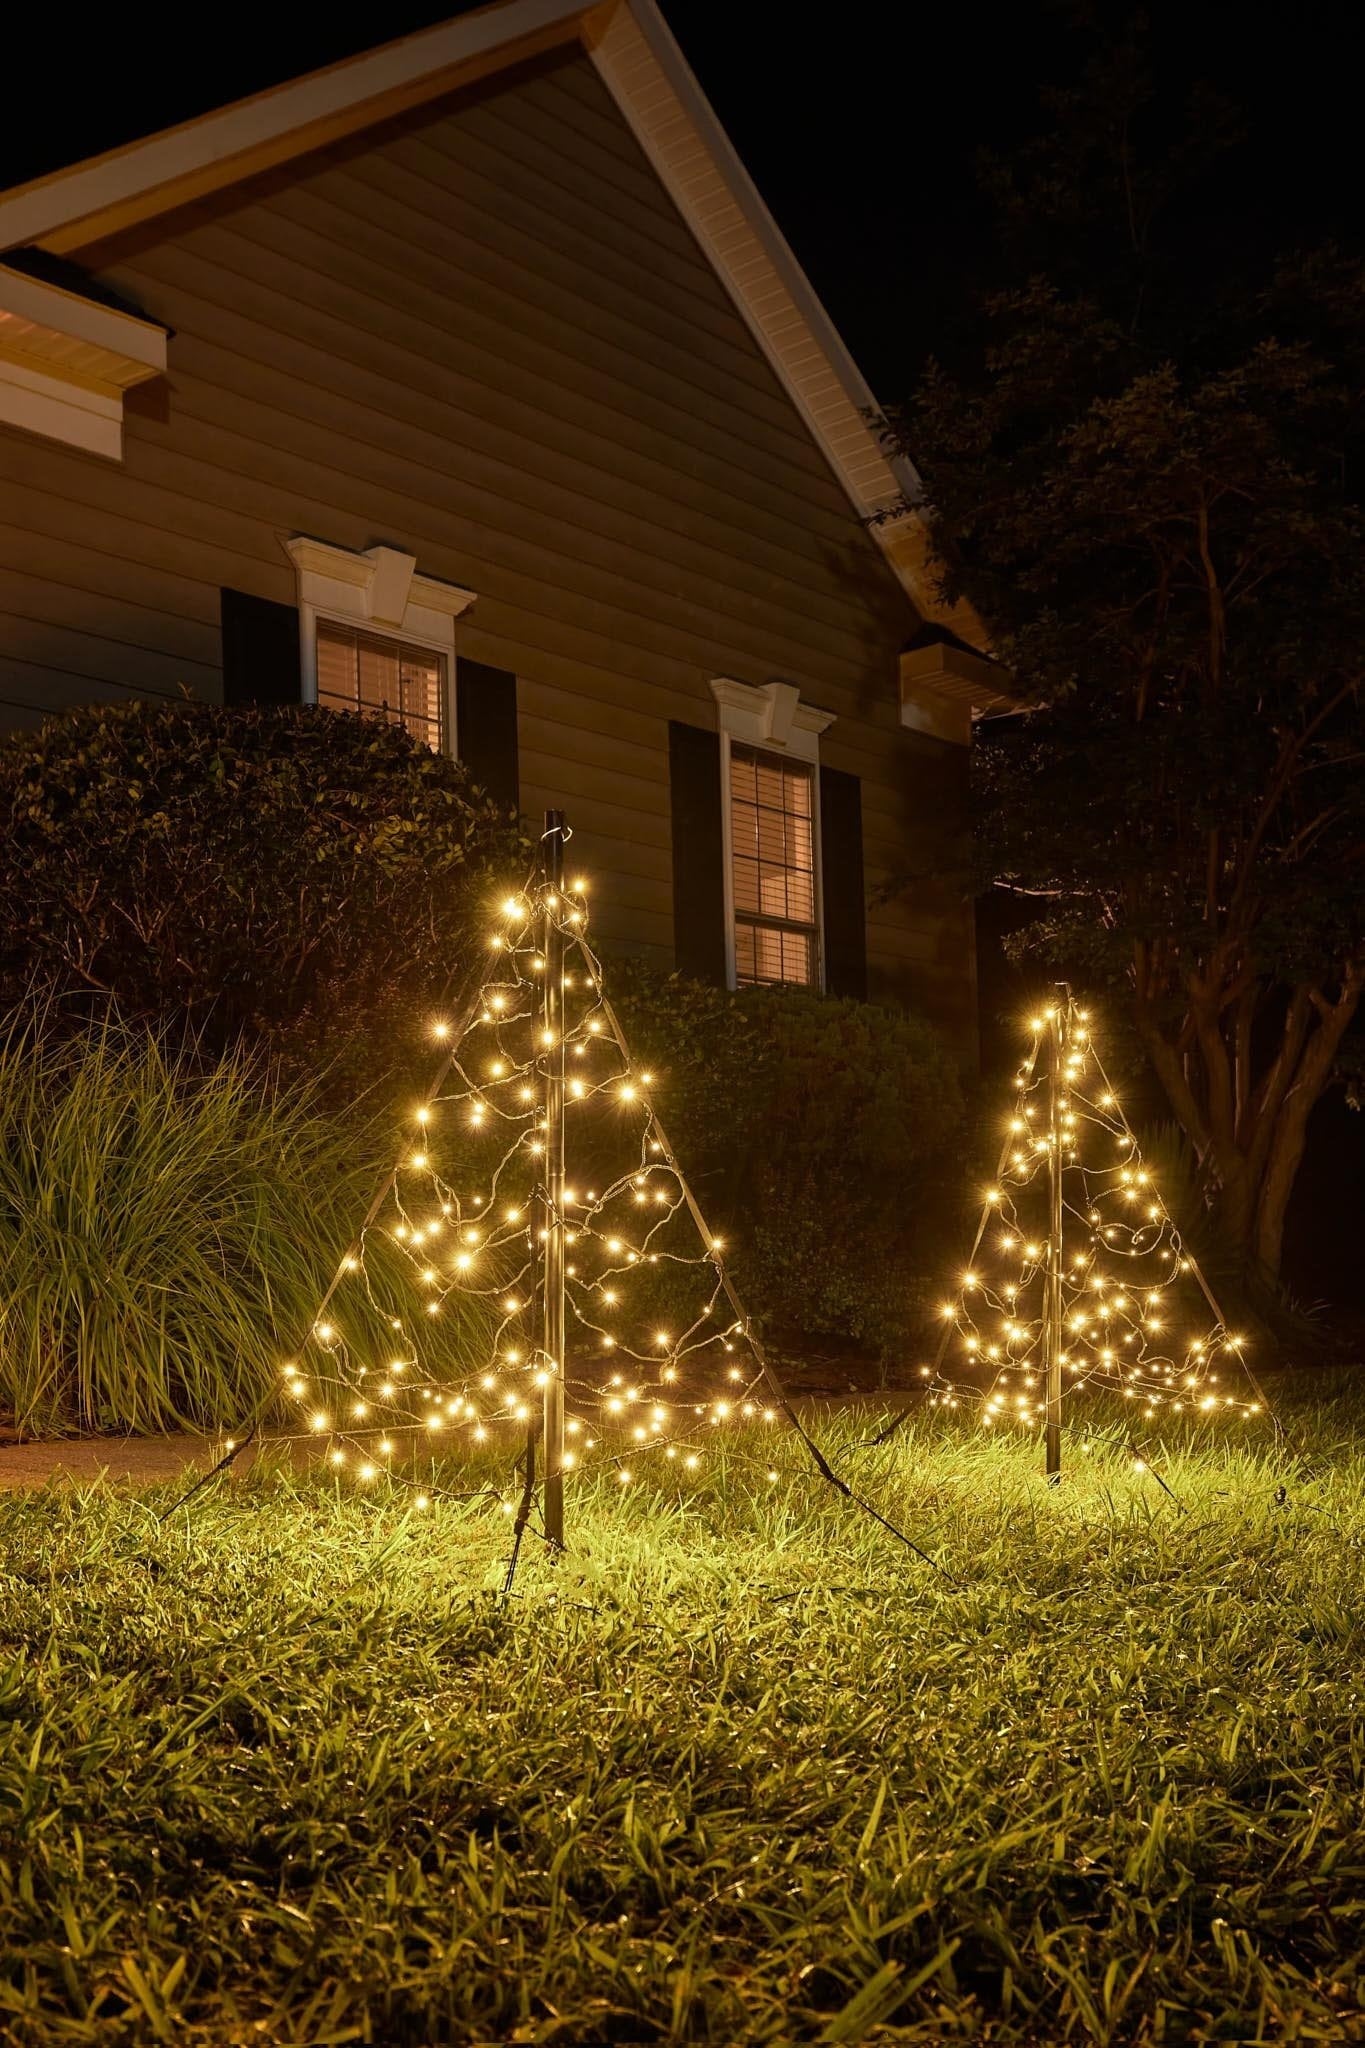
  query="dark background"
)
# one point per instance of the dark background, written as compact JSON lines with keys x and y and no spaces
{"x":862,"y":127}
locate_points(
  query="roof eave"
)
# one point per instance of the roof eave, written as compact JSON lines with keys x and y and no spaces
{"x":653,"y":85}
{"x":86,"y":202}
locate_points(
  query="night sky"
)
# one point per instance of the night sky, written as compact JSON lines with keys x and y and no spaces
{"x":861,"y":128}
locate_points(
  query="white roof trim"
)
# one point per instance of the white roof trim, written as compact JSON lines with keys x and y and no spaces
{"x":657,"y":92}
{"x":65,"y":363}
{"x":642,"y":66}
{"x":945,"y":689}
{"x":61,"y":410}
{"x":28,"y":302}
{"x":49,"y":208}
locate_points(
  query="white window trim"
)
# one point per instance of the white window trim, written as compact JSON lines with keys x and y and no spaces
{"x":771,"y":717}
{"x":377,"y":589}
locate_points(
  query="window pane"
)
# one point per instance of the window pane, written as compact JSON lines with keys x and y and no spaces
{"x":768,"y":955}
{"x":382,"y":678}
{"x":772,"y":837}
{"x":773,"y":953}
{"x":800,"y":898}
{"x":798,"y":957}
{"x":423,"y":680}
{"x":744,"y":820}
{"x":746,"y":885}
{"x":771,"y":785}
{"x":743,"y":770}
{"x":772,"y":890}
{"x":773,"y":868}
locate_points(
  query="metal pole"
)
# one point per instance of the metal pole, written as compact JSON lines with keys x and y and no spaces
{"x":1052,"y":1296}
{"x":552,"y":1048}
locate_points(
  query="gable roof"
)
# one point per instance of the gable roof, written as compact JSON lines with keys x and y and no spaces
{"x":652,"y":84}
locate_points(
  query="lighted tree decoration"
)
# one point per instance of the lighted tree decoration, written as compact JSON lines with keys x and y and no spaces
{"x":488,"y":1293}
{"x":1078,"y":1277}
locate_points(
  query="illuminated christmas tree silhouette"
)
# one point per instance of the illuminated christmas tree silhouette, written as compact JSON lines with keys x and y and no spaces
{"x":536,"y":1269}
{"x":1078,"y":1277}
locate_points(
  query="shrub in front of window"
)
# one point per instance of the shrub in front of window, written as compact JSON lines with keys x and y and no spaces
{"x":821,"y":1135}
{"x":295,"y":878}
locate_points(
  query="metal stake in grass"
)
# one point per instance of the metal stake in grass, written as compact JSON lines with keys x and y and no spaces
{"x":552,"y":1038}
{"x":1052,"y":1295}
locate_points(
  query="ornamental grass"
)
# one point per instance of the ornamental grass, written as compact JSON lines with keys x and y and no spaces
{"x":165,"y":1228}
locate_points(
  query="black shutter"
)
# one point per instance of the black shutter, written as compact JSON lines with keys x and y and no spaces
{"x":486,"y":728}
{"x":698,"y":853}
{"x":841,"y":859}
{"x":260,"y":650}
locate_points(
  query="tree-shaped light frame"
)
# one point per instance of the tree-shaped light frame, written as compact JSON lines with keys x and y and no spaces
{"x":1137,"y":1318}
{"x":457,"y":1233}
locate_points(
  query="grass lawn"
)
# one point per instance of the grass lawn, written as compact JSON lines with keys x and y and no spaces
{"x":738,"y":1770}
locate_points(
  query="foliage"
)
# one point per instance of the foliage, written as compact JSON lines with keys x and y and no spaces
{"x":732,"y":1770}
{"x":1296,"y":1328}
{"x":1145,"y":484}
{"x":167,"y":1226}
{"x":815,"y":1130}
{"x":298,"y":878}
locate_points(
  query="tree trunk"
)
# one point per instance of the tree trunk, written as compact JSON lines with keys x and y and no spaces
{"x":1291,"y":1125}
{"x":1234,"y":1206}
{"x":1273,"y":1201}
{"x":1252,"y":1176}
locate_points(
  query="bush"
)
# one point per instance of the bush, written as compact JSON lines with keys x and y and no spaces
{"x":167,"y":1225}
{"x":299,"y":879}
{"x":816,"y":1132}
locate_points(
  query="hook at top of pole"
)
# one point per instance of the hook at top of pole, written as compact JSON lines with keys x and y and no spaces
{"x":554,"y":837}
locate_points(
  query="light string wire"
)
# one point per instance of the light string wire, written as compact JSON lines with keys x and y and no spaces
{"x":248,"y":1430}
{"x":455,"y":1222}
{"x":898,"y":1421}
{"x":757,"y":1347}
{"x":1111,"y":1322}
{"x":1290,"y":1439}
{"x":1205,"y":1289}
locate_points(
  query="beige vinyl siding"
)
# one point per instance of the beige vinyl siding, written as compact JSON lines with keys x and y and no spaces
{"x":486,"y":336}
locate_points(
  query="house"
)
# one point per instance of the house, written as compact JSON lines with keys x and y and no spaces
{"x":469,"y":383}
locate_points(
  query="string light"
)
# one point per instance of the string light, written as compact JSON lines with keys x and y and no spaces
{"x":419,"y":1350}
{"x":1130,"y":1317}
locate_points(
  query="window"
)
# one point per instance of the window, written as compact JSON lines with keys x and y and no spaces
{"x":383,"y":678}
{"x":772,"y":866}
{"x":770,"y":768}
{"x":377,"y":637}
